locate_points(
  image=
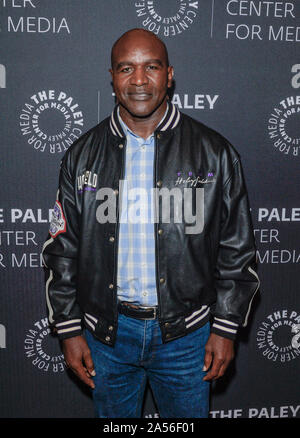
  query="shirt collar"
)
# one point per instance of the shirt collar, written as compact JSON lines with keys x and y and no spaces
{"x":126,"y":129}
{"x":169,"y":121}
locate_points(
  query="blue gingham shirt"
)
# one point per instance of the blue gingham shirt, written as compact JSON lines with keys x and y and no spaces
{"x":136,"y":281}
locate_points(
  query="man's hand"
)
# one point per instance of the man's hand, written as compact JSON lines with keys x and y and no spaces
{"x":77,"y":354}
{"x":218,"y":354}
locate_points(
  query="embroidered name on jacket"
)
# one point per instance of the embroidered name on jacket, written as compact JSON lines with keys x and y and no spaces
{"x":87,"y":181}
{"x":192,"y":181}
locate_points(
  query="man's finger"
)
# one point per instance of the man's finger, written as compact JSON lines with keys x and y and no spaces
{"x":214,"y":372}
{"x":207,"y":360}
{"x":80,"y":371}
{"x":89,"y":363}
{"x":222,"y":370}
{"x":87,"y":373}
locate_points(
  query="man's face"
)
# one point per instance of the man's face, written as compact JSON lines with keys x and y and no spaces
{"x":140,"y":74}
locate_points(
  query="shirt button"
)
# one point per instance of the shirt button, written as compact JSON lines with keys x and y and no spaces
{"x":162,"y":280}
{"x":143,"y":175}
{"x":159,"y":183}
{"x":107,"y":338}
{"x":111,"y":239}
{"x":121,"y":146}
{"x":145,"y":293}
{"x":111,"y":286}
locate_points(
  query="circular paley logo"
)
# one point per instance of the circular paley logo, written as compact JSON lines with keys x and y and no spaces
{"x":278,"y":336}
{"x":167,"y":19}
{"x":42,"y":350}
{"x":283,"y":126}
{"x":51,"y":121}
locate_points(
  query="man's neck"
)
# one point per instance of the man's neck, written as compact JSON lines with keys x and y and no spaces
{"x":143,"y":126}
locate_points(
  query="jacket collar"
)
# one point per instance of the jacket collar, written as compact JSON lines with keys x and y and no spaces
{"x":170,"y":120}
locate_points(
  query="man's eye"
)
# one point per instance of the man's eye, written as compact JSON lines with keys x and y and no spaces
{"x":126,"y":69}
{"x":152,"y":67}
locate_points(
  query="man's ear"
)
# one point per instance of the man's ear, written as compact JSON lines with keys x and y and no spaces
{"x":170,"y":76}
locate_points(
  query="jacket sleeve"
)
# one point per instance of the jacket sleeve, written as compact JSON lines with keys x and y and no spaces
{"x":60,"y":260}
{"x":235,"y":278}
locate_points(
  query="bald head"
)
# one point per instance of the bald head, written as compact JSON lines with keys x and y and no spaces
{"x":138,"y":36}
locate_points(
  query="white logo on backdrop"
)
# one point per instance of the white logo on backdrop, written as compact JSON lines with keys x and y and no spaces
{"x":261,"y":21}
{"x":296,"y":337}
{"x":169,"y":19}
{"x":283,"y":122}
{"x":295,"y":82}
{"x":51,"y":121}
{"x":278,"y":336}
{"x":281,"y":126}
{"x":188,"y":101}
{"x":286,"y":411}
{"x":15,"y":22}
{"x":2,"y":336}
{"x":2,"y":76}
{"x":41,"y":350}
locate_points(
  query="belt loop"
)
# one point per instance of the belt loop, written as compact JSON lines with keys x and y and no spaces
{"x":155,"y":312}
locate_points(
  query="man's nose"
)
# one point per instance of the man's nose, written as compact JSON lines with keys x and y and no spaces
{"x":139,"y":77}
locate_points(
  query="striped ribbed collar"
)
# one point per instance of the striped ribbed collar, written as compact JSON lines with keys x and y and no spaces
{"x":170,"y":120}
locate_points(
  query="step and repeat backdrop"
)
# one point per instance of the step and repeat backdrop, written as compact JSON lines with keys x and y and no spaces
{"x":237,"y":69}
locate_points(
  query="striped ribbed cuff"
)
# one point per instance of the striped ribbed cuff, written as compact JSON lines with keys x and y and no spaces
{"x":225,"y":328}
{"x":68,"y":329}
{"x":197,"y":316}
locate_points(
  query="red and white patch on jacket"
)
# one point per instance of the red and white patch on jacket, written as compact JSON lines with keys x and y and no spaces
{"x":58,"y":220}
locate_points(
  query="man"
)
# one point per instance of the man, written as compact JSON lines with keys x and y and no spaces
{"x":159,"y":298}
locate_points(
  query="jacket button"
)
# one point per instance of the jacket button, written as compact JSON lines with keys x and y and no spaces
{"x":168,"y":335}
{"x":111,"y":239}
{"x":110,"y":328}
{"x":116,"y":192}
{"x":121,"y":146}
{"x":158,"y":136}
{"x":160,"y":231}
{"x":159,"y":183}
{"x":167,"y":324}
{"x":162,"y":280}
{"x":111,"y":286}
{"x":107,"y":338}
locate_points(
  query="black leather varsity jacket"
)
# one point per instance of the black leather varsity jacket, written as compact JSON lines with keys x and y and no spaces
{"x":202,"y":275}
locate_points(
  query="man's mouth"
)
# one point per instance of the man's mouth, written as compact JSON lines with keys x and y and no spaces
{"x":138,"y":95}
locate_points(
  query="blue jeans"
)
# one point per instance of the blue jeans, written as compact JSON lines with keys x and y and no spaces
{"x":174,"y":371}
